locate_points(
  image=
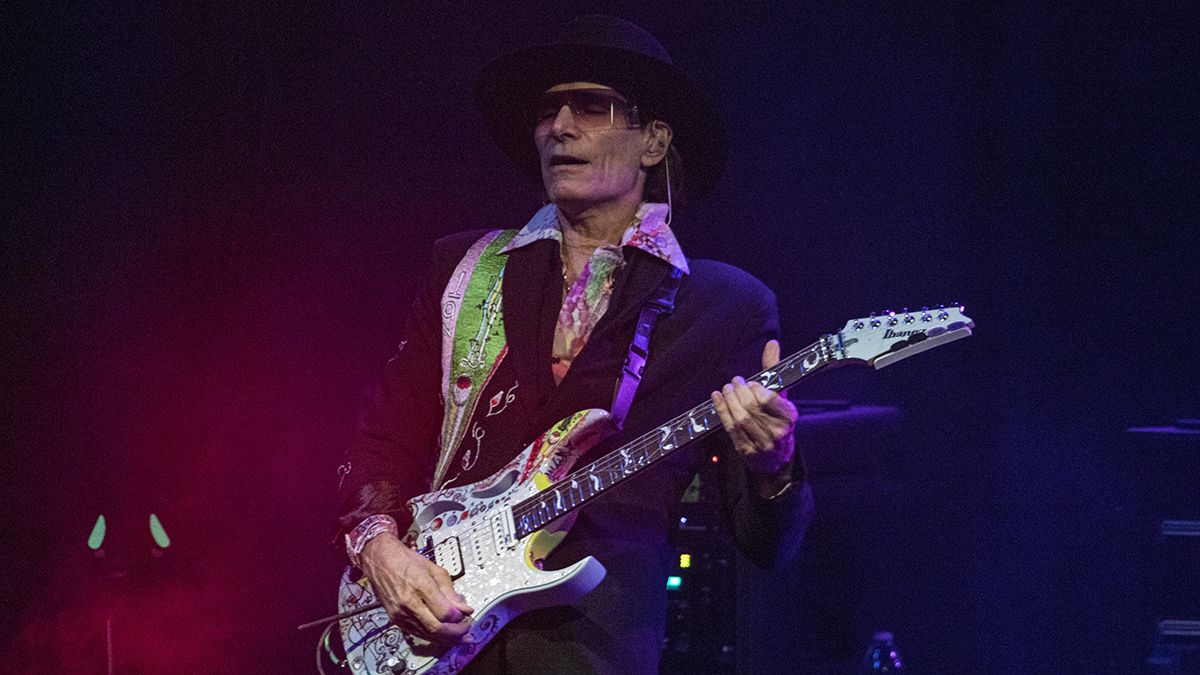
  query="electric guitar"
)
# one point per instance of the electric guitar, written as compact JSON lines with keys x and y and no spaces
{"x":492,"y":536}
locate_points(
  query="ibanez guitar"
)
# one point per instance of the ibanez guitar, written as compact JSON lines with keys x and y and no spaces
{"x":492,"y":536}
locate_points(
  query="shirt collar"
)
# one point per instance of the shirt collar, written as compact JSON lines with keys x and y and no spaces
{"x":649,"y":232}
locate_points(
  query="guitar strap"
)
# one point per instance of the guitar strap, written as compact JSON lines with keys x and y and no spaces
{"x":473,"y":340}
{"x":662,"y":301}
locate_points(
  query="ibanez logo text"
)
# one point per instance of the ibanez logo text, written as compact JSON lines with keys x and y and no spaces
{"x":889,"y":333}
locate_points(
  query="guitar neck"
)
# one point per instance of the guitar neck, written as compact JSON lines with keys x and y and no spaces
{"x":588,"y":482}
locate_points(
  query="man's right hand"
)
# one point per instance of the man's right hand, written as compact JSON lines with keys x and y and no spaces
{"x":417,"y":594}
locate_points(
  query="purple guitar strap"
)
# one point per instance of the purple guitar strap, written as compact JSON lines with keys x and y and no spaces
{"x":662,"y":301}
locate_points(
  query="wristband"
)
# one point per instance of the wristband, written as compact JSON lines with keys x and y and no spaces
{"x":365,"y":531}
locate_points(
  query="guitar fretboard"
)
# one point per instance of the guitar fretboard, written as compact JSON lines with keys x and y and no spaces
{"x":590,"y":481}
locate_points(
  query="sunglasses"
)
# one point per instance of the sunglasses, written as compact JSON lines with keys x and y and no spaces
{"x":590,"y":108}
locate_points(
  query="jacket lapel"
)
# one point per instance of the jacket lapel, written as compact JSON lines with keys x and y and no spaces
{"x":532,"y":289}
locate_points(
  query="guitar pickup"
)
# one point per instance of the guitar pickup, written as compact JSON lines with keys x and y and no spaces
{"x":503,"y":528}
{"x":448,"y":556}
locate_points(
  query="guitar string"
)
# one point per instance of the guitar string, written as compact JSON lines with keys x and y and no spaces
{"x":614,"y":461}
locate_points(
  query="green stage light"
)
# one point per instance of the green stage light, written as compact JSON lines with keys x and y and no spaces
{"x":96,"y":538}
{"x":159,"y":534}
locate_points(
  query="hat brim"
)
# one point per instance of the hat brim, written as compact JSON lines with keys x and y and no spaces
{"x":510,"y":85}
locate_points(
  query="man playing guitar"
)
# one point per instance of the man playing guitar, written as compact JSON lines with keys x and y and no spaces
{"x":614,"y":131}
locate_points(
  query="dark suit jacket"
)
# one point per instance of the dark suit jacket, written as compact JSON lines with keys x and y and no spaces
{"x":721,"y":321}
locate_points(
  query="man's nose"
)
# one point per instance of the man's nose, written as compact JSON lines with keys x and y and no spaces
{"x":564,"y":123}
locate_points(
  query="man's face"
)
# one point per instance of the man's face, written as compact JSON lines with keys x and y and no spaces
{"x":590,"y":148}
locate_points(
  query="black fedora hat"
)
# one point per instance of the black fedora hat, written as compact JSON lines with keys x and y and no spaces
{"x":616,"y":53}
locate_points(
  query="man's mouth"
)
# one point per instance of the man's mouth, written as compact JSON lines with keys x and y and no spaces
{"x":559,"y":160}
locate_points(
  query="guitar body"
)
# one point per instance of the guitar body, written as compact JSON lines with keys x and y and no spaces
{"x":469,"y":530}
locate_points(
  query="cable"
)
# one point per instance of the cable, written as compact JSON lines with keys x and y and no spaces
{"x":670,"y":204}
{"x":323,"y":641}
{"x":338,"y":617}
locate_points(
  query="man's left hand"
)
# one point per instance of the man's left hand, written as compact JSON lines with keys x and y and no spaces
{"x":761,"y":423}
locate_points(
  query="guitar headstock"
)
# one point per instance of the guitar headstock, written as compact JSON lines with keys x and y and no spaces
{"x":889,"y":337}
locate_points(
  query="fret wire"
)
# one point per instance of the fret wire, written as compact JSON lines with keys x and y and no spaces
{"x":652,"y":439}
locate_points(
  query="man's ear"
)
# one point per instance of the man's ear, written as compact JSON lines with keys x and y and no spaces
{"x":658,"y":139}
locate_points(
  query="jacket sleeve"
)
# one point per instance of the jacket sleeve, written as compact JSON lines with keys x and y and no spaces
{"x":392,"y":456}
{"x":767,"y":531}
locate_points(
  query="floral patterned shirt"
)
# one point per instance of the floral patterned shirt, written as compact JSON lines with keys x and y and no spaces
{"x":587,"y":299}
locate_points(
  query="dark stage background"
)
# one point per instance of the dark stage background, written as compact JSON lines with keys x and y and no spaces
{"x":222,"y":211}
